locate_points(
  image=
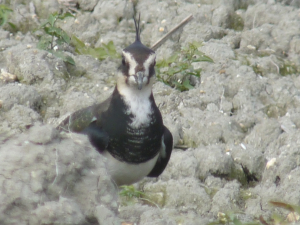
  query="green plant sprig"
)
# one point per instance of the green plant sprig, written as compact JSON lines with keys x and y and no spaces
{"x":55,"y":37}
{"x":129,"y":192}
{"x":100,"y":53}
{"x":4,"y":12}
{"x":181,"y":63}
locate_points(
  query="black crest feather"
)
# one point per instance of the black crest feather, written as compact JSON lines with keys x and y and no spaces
{"x":137,"y":28}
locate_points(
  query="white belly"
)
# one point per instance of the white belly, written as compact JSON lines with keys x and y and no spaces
{"x":123,"y":173}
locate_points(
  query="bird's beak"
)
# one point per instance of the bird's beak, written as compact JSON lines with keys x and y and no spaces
{"x":139,"y":79}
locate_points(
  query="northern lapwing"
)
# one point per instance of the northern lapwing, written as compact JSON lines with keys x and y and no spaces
{"x":127,"y":128}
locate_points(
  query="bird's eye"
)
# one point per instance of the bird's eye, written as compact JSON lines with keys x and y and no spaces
{"x":123,"y":61}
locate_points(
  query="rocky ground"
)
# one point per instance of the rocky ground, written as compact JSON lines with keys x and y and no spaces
{"x":240,"y":123}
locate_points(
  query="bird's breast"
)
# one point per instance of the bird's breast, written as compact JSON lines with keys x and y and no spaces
{"x":123,"y":173}
{"x":136,"y":145}
{"x":135,"y":128}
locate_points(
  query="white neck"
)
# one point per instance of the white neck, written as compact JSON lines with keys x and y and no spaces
{"x":138,"y":103}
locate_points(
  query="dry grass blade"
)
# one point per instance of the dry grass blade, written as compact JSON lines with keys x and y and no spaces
{"x":283,"y":205}
{"x":262,"y":220}
{"x":164,"y":38}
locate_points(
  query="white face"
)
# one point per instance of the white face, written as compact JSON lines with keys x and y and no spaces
{"x":134,"y":83}
{"x":138,"y":73}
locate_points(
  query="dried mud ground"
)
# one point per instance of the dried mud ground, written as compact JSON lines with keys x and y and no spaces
{"x":240,"y":123}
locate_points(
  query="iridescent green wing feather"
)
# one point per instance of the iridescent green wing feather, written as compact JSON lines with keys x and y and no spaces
{"x":79,"y":120}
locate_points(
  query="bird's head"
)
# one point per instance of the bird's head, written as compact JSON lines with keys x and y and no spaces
{"x":137,"y":69}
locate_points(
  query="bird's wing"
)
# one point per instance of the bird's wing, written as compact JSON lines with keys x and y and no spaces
{"x":165,"y":154}
{"x":78,"y":121}
{"x":86,"y":121}
{"x":97,"y":136}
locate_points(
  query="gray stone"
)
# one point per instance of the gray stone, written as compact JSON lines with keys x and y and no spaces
{"x":213,"y":160}
{"x":182,"y":164}
{"x":257,"y":38}
{"x":185,"y":195}
{"x":226,"y":198}
{"x":264,"y":133}
{"x":66,"y":177}
{"x":87,"y":5}
{"x":42,"y":134}
{"x":35,"y":66}
{"x":218,"y":51}
{"x":222,"y":17}
{"x":20,"y":94}
{"x":251,"y":160}
{"x":18,"y":119}
{"x":153,"y":217}
{"x":256,"y":14}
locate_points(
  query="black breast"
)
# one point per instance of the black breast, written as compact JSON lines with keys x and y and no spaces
{"x":132,"y":145}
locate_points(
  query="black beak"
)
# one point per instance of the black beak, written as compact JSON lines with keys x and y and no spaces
{"x":139,"y":79}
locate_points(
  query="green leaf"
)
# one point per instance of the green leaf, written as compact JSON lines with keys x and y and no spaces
{"x":58,"y":54}
{"x":65,"y":15}
{"x":203,"y":58}
{"x":99,"y":53}
{"x":59,"y":33}
{"x":65,"y":36}
{"x":63,"y":56}
{"x":53,"y":31}
{"x":47,"y":30}
{"x":59,"y":41}
{"x":191,"y":73}
{"x":196,"y":44}
{"x":185,"y":49}
{"x":111,"y":47}
{"x":277,"y":219}
{"x":236,"y":221}
{"x":171,"y":71}
{"x":130,"y":192}
{"x":79,"y":45}
{"x":161,"y":64}
{"x":165,"y":63}
{"x":197,"y":72}
{"x":44,"y":43}
{"x":4,"y":11}
{"x":178,"y":86}
{"x":43,"y":24}
{"x":173,"y":58}
{"x":5,"y":8}
{"x":52,"y":18}
{"x":70,"y":60}
{"x":187,"y":85}
{"x":184,"y":66}
{"x":13,"y":26}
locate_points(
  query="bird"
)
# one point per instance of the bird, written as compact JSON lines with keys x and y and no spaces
{"x":127,"y":128}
